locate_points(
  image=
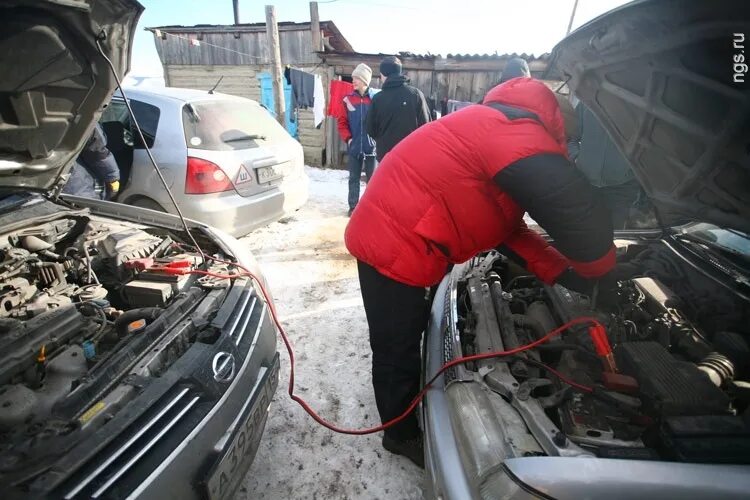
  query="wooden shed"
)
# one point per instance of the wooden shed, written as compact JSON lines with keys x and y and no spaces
{"x":198,"y":56}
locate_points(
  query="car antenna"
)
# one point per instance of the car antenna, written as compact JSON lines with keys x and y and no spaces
{"x":103,"y":36}
{"x":217,"y":84}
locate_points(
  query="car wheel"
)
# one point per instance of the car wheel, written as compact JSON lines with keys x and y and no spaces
{"x":147,"y":203}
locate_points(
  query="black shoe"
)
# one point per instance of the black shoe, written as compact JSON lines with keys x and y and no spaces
{"x":350,"y":212}
{"x":412,"y":449}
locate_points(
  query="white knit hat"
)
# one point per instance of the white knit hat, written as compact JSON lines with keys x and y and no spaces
{"x":363,"y":72}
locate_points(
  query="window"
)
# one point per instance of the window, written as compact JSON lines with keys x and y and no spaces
{"x":229,"y":124}
{"x":146,"y":114}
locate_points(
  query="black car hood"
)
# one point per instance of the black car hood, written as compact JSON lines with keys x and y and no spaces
{"x":660,"y":77}
{"x":54,"y":83}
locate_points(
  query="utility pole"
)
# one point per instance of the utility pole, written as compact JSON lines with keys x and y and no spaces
{"x":572,"y":16}
{"x":236,"y":6}
{"x":317,"y":42}
{"x":272,"y":30}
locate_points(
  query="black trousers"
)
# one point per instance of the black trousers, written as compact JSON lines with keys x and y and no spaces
{"x":397,"y":315}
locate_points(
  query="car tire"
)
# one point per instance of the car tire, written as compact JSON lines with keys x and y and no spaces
{"x":147,"y":203}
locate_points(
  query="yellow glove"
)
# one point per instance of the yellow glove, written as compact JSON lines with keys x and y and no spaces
{"x":112,"y":189}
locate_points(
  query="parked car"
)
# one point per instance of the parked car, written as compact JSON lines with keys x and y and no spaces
{"x":678,"y":426}
{"x":229,"y":162}
{"x":118,"y":379}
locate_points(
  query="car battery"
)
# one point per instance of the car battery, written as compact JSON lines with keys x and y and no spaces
{"x":144,"y":293}
{"x":157,"y":280}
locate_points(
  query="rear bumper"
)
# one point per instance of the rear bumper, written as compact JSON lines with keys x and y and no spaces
{"x":238,"y":215}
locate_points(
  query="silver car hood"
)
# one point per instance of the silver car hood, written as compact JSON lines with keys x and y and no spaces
{"x":54,"y":83}
{"x":660,"y":75}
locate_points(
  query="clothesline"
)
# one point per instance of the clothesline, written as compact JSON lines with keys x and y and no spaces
{"x":201,"y":42}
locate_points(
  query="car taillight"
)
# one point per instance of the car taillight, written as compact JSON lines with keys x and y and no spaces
{"x":205,"y":177}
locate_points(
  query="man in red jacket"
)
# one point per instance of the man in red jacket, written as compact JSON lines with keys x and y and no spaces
{"x":456,"y":187}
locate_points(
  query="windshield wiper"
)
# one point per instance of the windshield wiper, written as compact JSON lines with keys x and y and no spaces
{"x":710,"y":244}
{"x":193,"y":113}
{"x":251,"y":137}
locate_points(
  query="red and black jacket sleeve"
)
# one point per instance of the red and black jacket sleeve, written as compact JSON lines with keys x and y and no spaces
{"x":342,"y":123}
{"x":560,"y":199}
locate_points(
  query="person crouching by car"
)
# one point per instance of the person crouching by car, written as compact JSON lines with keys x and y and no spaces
{"x":352,"y":129}
{"x":450,"y":190}
{"x":95,"y":164}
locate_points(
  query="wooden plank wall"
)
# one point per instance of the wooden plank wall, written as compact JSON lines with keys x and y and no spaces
{"x":247,"y":48}
{"x":242,"y":81}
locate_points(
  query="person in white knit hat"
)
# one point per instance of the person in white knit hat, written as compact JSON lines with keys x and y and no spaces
{"x":353,"y":131}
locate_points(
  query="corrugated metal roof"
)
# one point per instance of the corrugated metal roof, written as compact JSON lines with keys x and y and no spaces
{"x":226,"y":27}
{"x":527,"y":57}
{"x":430,"y":57}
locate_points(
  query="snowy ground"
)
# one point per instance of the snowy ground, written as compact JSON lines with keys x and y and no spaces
{"x":314,"y":282}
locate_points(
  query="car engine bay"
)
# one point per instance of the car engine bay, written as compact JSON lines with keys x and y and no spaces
{"x":676,"y":387}
{"x":87,"y":310}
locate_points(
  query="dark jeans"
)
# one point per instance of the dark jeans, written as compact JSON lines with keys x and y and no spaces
{"x":356,"y":163}
{"x":397,"y":315}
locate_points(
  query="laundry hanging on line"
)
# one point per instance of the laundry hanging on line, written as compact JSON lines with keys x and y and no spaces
{"x":307,"y":92}
{"x":319,"y":104}
{"x":337,"y":91}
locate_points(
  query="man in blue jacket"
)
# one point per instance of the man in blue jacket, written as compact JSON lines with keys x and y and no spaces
{"x":353,"y":131}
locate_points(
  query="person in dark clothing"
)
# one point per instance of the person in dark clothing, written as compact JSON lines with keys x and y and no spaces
{"x":94,"y":165}
{"x":597,"y":156}
{"x":397,"y":111}
{"x":450,"y":190}
{"x":351,"y":125}
{"x":515,"y":68}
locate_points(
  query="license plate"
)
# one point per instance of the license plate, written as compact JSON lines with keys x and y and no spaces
{"x":243,"y":443}
{"x":268,"y":174}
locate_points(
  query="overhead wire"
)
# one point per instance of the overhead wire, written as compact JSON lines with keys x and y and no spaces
{"x":219,"y":47}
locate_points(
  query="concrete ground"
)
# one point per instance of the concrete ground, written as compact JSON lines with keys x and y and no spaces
{"x":314,"y":283}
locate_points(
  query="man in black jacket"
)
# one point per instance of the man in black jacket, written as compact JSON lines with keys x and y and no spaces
{"x":397,"y":110}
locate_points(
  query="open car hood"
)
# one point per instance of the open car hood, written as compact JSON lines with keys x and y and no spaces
{"x":54,"y":83}
{"x":660,"y":77}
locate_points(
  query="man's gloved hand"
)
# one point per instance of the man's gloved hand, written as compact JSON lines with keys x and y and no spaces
{"x":574,"y":281}
{"x":113,"y":187}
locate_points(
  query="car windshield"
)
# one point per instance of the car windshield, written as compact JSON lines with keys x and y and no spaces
{"x":730,"y":240}
{"x":230,"y":124}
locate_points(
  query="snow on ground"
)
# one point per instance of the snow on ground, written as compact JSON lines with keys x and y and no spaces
{"x":314,"y":283}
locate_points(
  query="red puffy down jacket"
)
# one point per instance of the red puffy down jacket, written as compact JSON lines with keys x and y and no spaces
{"x":433,"y":201}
